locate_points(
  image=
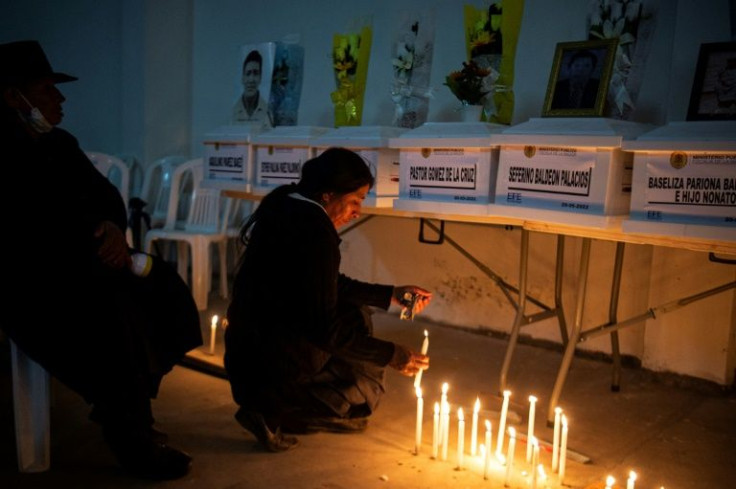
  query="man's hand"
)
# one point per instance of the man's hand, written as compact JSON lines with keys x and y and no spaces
{"x":113,"y":249}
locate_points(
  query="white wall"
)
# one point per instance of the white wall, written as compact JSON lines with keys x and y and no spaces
{"x":156,"y":75}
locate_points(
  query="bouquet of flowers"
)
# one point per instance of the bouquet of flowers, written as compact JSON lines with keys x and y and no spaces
{"x":350,"y":56}
{"x":471,"y":84}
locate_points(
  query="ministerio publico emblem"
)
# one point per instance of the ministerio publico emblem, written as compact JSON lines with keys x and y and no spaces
{"x":426,"y":152}
{"x":530,"y":151}
{"x":678,"y":160}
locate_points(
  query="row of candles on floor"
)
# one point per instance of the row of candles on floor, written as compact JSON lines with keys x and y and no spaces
{"x":441,"y":436}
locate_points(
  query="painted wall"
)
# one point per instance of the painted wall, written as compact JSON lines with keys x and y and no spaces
{"x":155,"y":76}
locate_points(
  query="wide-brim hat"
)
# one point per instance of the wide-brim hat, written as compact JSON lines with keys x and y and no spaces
{"x":23,"y":61}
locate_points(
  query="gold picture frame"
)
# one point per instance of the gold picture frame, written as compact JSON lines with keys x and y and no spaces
{"x":578,"y":83}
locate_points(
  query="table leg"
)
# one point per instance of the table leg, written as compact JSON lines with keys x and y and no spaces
{"x":576,"y":329}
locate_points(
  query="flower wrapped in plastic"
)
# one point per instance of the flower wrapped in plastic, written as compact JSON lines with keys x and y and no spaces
{"x":350,"y":55}
{"x":618,"y":19}
{"x":491,"y":33}
{"x":411,"y":64}
{"x":469,"y":84}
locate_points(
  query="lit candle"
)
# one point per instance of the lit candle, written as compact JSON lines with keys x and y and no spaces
{"x":436,"y":430}
{"x":444,"y":420}
{"x":425,"y":348}
{"x":532,"y":442}
{"x":630,"y":481}
{"x":474,"y":427}
{"x":445,"y":428}
{"x":487,"y":446}
{"x":420,"y":412}
{"x":556,"y":440}
{"x":510,"y":455}
{"x":502,"y":421}
{"x":460,"y":437}
{"x":530,"y":432}
{"x":483,"y":458}
{"x":609,"y":482}
{"x":213,"y":332}
{"x":563,"y":449}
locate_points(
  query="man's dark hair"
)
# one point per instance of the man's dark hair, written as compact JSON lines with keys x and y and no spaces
{"x":253,"y":56}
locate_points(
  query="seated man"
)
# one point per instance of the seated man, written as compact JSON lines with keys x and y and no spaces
{"x":103,"y":331}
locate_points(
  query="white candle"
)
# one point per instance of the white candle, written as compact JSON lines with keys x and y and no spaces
{"x":630,"y":481}
{"x":420,"y":413}
{"x":460,"y":437}
{"x":502,"y":421}
{"x":474,"y":427}
{"x":532,"y":442}
{"x":487,"y":446}
{"x":530,"y":432}
{"x":425,"y":348}
{"x":444,"y":420}
{"x":510,"y":455}
{"x":556,"y":440}
{"x":563,"y":449}
{"x":213,"y":332}
{"x":445,"y":428}
{"x":609,"y":482}
{"x":436,"y":430}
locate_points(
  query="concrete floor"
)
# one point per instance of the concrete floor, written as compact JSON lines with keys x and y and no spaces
{"x":675,"y":434}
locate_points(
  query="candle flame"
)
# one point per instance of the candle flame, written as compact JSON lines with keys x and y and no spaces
{"x":564,"y":421}
{"x":558,"y":410}
{"x":445,"y":387}
{"x":532,"y":399}
{"x":460,"y":416}
{"x":610,"y":481}
{"x":214,"y":320}
{"x":476,"y":407}
{"x":534,"y":442}
{"x":488,"y":425}
{"x":437,"y":408}
{"x":426,"y":333}
{"x":512,"y":432}
{"x":632,"y":475}
{"x":506,"y":393}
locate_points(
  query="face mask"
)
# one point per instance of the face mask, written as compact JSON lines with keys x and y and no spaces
{"x":35,"y":120}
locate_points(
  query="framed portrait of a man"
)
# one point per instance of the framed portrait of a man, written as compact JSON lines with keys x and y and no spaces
{"x":713,"y":95}
{"x":578,"y":83}
{"x":256,"y":71}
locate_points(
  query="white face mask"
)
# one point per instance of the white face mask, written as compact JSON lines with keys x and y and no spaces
{"x":35,"y":120}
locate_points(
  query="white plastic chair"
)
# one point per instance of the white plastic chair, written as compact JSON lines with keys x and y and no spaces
{"x":31,"y":404}
{"x":205,"y":225}
{"x":118,"y":173}
{"x":156,"y":187}
{"x":115,"y":170}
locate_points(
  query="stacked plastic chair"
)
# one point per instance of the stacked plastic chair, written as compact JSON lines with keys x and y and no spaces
{"x":205,"y":225}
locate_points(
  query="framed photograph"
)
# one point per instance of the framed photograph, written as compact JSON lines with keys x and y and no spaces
{"x":713,"y":96}
{"x":578,"y":83}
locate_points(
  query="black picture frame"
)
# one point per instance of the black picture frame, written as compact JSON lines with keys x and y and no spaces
{"x":713,"y":94}
{"x":589,"y":100}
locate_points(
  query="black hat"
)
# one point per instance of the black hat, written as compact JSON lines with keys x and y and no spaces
{"x":22,"y":61}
